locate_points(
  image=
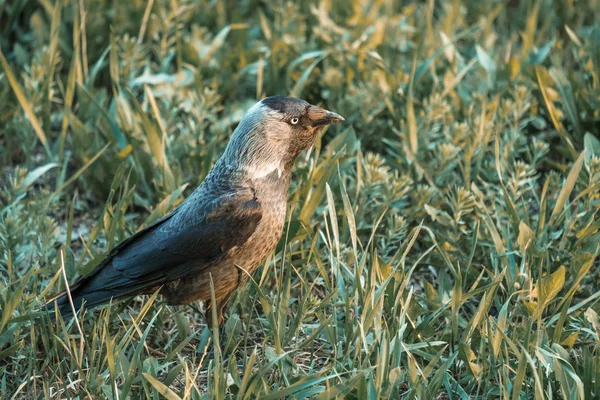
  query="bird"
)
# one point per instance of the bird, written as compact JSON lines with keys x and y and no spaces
{"x":224,"y":230}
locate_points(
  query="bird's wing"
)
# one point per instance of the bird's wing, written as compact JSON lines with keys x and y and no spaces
{"x":190,"y":237}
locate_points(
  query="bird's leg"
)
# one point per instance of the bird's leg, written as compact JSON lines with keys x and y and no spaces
{"x":220,"y":307}
{"x":208,"y":314}
{"x":224,"y":301}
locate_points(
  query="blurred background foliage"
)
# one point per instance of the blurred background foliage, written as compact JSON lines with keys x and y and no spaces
{"x":442,"y":242}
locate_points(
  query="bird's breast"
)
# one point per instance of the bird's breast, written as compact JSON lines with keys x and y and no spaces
{"x":265,"y":237}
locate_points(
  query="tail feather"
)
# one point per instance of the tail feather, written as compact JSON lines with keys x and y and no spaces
{"x":113,"y":278}
{"x":96,"y":289}
{"x":79,"y":297}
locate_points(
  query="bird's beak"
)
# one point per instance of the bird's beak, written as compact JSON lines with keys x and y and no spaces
{"x":321,"y":117}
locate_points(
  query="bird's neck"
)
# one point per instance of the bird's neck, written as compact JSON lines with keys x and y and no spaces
{"x":258,"y":162}
{"x":266,"y":169}
{"x":270,"y":177}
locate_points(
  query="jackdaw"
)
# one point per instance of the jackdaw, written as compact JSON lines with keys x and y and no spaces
{"x":224,"y":229}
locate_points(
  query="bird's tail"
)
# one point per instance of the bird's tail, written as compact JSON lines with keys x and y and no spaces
{"x":69,"y":302}
{"x":86,"y":291}
{"x":93,"y":290}
{"x":63,"y":300}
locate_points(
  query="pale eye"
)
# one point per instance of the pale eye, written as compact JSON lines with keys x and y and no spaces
{"x":294,"y":121}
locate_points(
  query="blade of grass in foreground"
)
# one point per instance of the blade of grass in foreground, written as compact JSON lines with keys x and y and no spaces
{"x":77,"y":174}
{"x":25,"y":104}
{"x":566,"y":190}
{"x":564,"y":135}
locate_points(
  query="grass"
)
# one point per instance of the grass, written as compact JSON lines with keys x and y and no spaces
{"x":442,"y":243}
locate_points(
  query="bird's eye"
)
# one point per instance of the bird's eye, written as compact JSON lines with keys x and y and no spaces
{"x":294,"y":121}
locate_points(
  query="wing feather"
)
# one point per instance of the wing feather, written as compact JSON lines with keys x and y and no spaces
{"x":190,"y":238}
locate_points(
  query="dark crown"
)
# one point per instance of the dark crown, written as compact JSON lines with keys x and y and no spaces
{"x":286,"y":105}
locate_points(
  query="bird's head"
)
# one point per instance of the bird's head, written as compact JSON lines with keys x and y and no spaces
{"x":274,"y":131}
